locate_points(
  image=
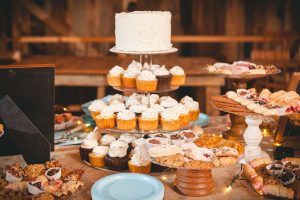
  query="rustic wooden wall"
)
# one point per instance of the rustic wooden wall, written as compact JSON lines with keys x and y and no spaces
{"x":192,"y":17}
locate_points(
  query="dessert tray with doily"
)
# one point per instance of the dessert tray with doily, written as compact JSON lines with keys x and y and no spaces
{"x":274,"y":178}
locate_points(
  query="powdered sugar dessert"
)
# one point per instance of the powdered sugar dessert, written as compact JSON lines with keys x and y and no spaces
{"x":143,"y":31}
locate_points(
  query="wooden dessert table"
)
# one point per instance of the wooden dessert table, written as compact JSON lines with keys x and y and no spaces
{"x":91,"y":72}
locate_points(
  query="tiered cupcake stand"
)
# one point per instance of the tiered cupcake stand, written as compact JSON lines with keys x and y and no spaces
{"x":238,"y":125}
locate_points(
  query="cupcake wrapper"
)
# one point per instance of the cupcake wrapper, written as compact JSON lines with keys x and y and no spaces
{"x":118,"y":164}
{"x":146,"y":86}
{"x":126,"y":124}
{"x":164,"y":82}
{"x":94,"y":114}
{"x":105,"y":123}
{"x":184,"y":119}
{"x":178,"y":80}
{"x":194,"y":114}
{"x":148,"y":125}
{"x":139,"y":169}
{"x":96,"y":161}
{"x":114,"y":81}
{"x":128,"y":82}
{"x":84,"y":153}
{"x":170,"y":125}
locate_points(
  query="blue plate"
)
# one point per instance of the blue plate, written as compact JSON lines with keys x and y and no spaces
{"x":203,"y":120}
{"x":128,"y":186}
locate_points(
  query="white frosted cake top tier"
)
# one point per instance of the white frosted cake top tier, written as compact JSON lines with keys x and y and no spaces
{"x":143,"y":31}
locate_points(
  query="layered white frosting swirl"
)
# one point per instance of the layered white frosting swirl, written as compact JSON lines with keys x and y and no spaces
{"x":118,"y":148}
{"x":168,"y":102}
{"x":106,"y":112}
{"x":193,"y":105}
{"x":139,"y":108}
{"x":96,"y":105}
{"x":186,"y":100}
{"x":146,"y":75}
{"x":101,"y":150}
{"x":89,"y":143}
{"x":127,"y":137}
{"x":126,"y":115}
{"x":117,"y":107}
{"x":116,"y":71}
{"x":181,"y":109}
{"x":140,"y":157}
{"x":162,"y":71}
{"x":176,"y":70}
{"x":138,"y":142}
{"x":149,"y":113}
{"x":107,"y":139}
{"x":158,"y":108}
{"x":169,"y":114}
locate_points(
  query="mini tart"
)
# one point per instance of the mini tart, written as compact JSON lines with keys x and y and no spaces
{"x":184,"y":119}
{"x":114,"y":81}
{"x":178,"y":80}
{"x":96,"y":160}
{"x":194,"y":114}
{"x":147,"y":124}
{"x":139,"y":169}
{"x":146,"y":86}
{"x":94,"y":114}
{"x":126,"y":124}
{"x":128,"y":82}
{"x":164,"y":81}
{"x":106,"y":122}
{"x":170,"y":125}
{"x":116,"y":163}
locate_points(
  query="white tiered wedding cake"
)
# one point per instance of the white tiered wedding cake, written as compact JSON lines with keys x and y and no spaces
{"x":143,"y":31}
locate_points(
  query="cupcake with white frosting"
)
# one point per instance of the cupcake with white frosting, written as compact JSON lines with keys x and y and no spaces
{"x":138,"y":108}
{"x":163,"y":77}
{"x":186,"y":100}
{"x":106,"y":119}
{"x":168,"y":102}
{"x":158,"y":108}
{"x":117,"y":158}
{"x":86,"y":147}
{"x":140,"y":161}
{"x":129,"y":77}
{"x":146,"y":81}
{"x":117,"y":107}
{"x":96,"y":157}
{"x":194,"y":110}
{"x":116,"y":98}
{"x":178,"y":77}
{"x":184,"y":114}
{"x":127,"y":137}
{"x":126,"y":120}
{"x":114,"y":76}
{"x":148,"y":120}
{"x":150,"y":100}
{"x":95,"y":107}
{"x":170,"y":120}
{"x":133,"y":99}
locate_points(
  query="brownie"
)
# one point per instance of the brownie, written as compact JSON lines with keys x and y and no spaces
{"x":164,"y":82}
{"x":116,"y":163}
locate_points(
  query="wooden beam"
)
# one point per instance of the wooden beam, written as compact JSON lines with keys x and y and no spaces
{"x":43,"y":15}
{"x":175,"y":39}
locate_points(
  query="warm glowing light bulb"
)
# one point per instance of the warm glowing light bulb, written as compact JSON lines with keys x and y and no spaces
{"x":277,"y":144}
{"x":79,"y":122}
{"x":87,"y":125}
{"x":228,"y":127}
{"x":65,"y":109}
{"x":221,"y":135}
{"x":265,"y":132}
{"x":163,"y":178}
{"x":228,"y":189}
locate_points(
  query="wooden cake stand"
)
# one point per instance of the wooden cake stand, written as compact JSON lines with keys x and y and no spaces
{"x":194,"y":182}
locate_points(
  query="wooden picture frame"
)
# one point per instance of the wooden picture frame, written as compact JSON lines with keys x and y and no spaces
{"x":293,"y":86}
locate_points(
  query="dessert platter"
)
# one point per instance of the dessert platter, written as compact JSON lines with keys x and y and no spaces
{"x":242,"y":70}
{"x":39,"y":181}
{"x":250,"y":102}
{"x":274,"y":178}
{"x":63,"y":121}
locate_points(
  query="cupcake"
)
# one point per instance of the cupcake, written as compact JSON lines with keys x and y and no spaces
{"x":114,"y":76}
{"x":194,"y":110}
{"x":186,"y":100}
{"x":94,"y":135}
{"x":146,"y":81}
{"x":148,"y":120}
{"x":178,"y":76}
{"x":95,"y":107}
{"x":107,"y":139}
{"x":163,"y":78}
{"x":170,"y":120}
{"x":184,"y":114}
{"x":97,"y":156}
{"x":129,"y":76}
{"x":116,"y":98}
{"x":134,"y":99}
{"x":126,"y":120}
{"x":106,"y":119}
{"x":128,"y":138}
{"x":140,"y":161}
{"x":150,"y":100}
{"x":86,"y":147}
{"x":117,"y":158}
{"x":158,"y":108}
{"x":168,"y":102}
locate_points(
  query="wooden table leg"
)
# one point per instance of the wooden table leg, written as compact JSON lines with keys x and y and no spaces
{"x":209,"y":92}
{"x":100,"y":92}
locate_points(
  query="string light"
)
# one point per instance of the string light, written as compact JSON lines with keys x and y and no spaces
{"x":265,"y":132}
{"x":65,"y":109}
{"x":163,"y":177}
{"x":277,"y":144}
{"x":79,"y":122}
{"x":228,"y":127}
{"x":228,"y":189}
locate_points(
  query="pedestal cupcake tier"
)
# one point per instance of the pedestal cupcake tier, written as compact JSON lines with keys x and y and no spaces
{"x":134,"y":90}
